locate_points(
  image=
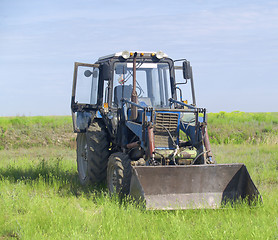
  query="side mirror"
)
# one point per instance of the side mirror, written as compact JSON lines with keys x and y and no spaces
{"x":186,"y":70}
{"x":88,"y":73}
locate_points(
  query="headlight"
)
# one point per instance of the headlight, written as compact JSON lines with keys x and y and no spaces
{"x":125,"y":54}
{"x":159,"y":54}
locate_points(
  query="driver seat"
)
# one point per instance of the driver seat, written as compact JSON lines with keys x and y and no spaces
{"x":122,"y":91}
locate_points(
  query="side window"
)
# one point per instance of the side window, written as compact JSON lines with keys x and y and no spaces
{"x":84,"y":91}
{"x":94,"y":88}
{"x":105,"y":92}
{"x":122,"y":84}
{"x":161,"y":86}
{"x":184,"y":92}
{"x":87,"y":85}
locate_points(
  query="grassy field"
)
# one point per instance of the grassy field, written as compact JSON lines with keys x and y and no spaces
{"x":224,"y":128}
{"x":26,"y":132}
{"x":41,"y":198}
{"x":240,"y":127}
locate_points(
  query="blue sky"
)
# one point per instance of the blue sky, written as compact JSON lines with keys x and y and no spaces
{"x":232,"y":46}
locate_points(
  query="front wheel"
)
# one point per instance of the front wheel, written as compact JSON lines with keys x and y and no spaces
{"x":118,"y":173}
{"x":82,"y":158}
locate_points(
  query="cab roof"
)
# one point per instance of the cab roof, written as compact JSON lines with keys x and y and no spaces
{"x":126,"y":54}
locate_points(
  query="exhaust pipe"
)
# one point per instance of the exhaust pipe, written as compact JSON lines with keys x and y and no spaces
{"x":134,"y":97}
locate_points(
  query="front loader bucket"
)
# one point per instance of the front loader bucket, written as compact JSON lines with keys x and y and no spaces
{"x":194,"y":186}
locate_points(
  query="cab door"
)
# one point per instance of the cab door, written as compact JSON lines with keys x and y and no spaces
{"x":84,"y":94}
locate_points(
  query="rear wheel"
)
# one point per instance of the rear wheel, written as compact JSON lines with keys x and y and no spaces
{"x":119,"y":173}
{"x":92,"y":153}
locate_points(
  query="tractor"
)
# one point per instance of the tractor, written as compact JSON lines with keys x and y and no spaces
{"x":142,"y":134}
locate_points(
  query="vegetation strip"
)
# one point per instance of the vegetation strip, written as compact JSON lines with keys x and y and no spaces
{"x":224,"y":128}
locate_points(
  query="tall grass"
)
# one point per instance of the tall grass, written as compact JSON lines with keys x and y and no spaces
{"x":224,"y":128}
{"x":41,"y":198}
{"x":240,"y":127}
{"x":18,"y":132}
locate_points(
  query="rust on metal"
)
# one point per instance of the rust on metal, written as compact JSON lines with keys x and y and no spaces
{"x":133,"y":145}
{"x":134,"y":97}
{"x":151,"y":141}
{"x":193,"y":186}
{"x":206,"y":141}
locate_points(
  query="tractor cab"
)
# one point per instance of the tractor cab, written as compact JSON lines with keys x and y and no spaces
{"x":110,"y":80}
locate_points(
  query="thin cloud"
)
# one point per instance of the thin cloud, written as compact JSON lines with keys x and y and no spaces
{"x":228,"y":43}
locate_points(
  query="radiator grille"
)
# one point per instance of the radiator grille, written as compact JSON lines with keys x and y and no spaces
{"x":165,"y":121}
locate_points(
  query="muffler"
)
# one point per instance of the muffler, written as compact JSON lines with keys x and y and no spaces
{"x":192,"y":187}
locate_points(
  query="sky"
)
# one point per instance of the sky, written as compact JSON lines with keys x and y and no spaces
{"x":232,"y":47}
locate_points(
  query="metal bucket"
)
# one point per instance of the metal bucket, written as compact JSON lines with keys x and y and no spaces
{"x":190,"y":187}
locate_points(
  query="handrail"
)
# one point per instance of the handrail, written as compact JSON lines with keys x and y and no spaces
{"x":181,"y":103}
{"x":132,"y":103}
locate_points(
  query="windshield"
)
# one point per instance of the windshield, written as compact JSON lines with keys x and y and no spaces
{"x":153,"y":85}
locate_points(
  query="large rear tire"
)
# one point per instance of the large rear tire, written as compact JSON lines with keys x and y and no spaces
{"x":119,"y":174}
{"x":92,"y":153}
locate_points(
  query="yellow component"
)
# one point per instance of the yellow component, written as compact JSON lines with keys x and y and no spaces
{"x":141,"y":54}
{"x":105,"y":105}
{"x":131,"y":54}
{"x":153,"y":54}
{"x":186,"y":102}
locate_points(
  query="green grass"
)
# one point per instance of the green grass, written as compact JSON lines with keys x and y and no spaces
{"x":46,"y":121}
{"x":26,"y":132}
{"x":261,"y":160}
{"x":241,"y":127}
{"x":41,"y":198}
{"x":223,"y":127}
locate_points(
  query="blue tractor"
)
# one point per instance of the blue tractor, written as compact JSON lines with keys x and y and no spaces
{"x":138,"y":133}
